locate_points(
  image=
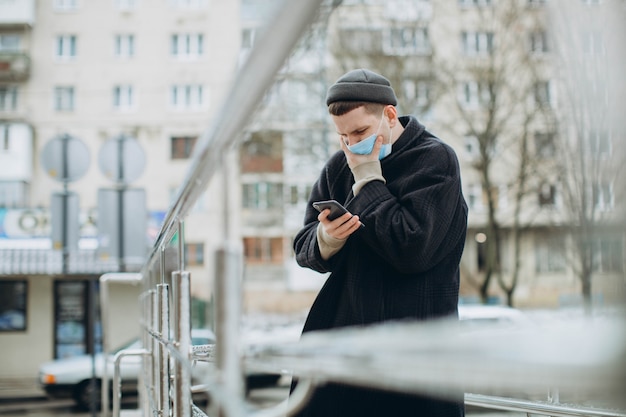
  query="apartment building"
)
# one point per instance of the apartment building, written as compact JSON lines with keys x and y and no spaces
{"x":86,"y":73}
{"x":487,"y":76}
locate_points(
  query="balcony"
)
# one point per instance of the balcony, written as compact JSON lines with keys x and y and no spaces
{"x":14,"y":66}
{"x":17,"y":13}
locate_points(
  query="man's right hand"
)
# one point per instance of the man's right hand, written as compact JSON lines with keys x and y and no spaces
{"x":340,"y":228}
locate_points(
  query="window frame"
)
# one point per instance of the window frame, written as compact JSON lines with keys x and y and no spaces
{"x":184,"y":143}
{"x":66,"y":47}
{"x":124,"y":97}
{"x":23,"y":300}
{"x":9,"y":94}
{"x":64,"y":98}
{"x":187,"y":97}
{"x":187,"y":45}
{"x":477,"y":43}
{"x":124,"y":45}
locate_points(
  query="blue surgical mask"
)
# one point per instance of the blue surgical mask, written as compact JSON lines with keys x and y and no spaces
{"x":366,"y":146}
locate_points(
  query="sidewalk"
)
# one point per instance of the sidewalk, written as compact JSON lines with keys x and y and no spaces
{"x":20,"y":389}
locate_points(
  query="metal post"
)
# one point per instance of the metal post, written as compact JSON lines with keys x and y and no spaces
{"x":228,"y":308}
{"x":129,"y":278}
{"x":117,"y":376}
{"x":182,"y":377}
{"x":146,"y":375}
{"x":156,"y":364}
{"x":163,"y":354}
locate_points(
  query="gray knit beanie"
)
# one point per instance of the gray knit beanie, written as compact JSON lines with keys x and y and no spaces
{"x":362,"y":85}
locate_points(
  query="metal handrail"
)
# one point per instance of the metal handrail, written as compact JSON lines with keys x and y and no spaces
{"x":537,"y":407}
{"x":117,"y":376}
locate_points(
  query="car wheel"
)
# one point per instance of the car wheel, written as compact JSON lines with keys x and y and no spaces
{"x":88,"y":391}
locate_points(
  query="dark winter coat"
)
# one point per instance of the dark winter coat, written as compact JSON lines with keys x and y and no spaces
{"x":404,"y":264}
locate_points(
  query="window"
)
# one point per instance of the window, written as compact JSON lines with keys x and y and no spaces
{"x":406,"y":41}
{"x":8,"y":98}
{"x":64,"y":98}
{"x":544,"y":97}
{"x":126,"y":4}
{"x":123,"y":97}
{"x":187,"y":97}
{"x":606,"y":254}
{"x":539,"y":42}
{"x":188,"y":45}
{"x":124,"y":46}
{"x":65,"y":4}
{"x":545,"y":146}
{"x":475,"y":3}
{"x":5,"y":142}
{"x":547,"y":195}
{"x":549,"y":254}
{"x":13,"y":301}
{"x":188,"y":4}
{"x":361,"y":40}
{"x":299,"y":193}
{"x":472,"y":146}
{"x":182,"y":146}
{"x":9,"y":43}
{"x":262,"y":195}
{"x":473,"y":94}
{"x":474,"y":194}
{"x":417,"y":92}
{"x":248,"y":36}
{"x":600,"y":144}
{"x":593,"y":43}
{"x":602,"y":194}
{"x":194,"y":254}
{"x":66,"y":46}
{"x":13,"y":194}
{"x":477,"y":43}
{"x":263,"y":250}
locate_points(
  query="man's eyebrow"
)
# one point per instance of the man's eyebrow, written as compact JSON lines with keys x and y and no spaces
{"x":355,"y":130}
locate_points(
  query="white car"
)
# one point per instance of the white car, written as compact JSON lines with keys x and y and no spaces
{"x":71,"y":377}
{"x":479,"y":316}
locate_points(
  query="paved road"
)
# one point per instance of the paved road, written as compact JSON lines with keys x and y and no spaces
{"x":261,"y":398}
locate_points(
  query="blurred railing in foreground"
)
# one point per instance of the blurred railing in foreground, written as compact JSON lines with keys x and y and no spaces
{"x":427,"y":358}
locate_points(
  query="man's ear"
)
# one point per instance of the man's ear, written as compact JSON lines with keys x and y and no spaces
{"x":392,"y":115}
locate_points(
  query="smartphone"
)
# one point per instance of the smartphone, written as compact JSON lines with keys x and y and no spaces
{"x":336,"y":209}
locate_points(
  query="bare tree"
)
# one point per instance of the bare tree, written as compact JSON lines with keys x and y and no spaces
{"x":590,"y":40}
{"x":487,"y":95}
{"x":499,"y":108}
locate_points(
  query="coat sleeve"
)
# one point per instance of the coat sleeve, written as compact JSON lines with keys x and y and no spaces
{"x":305,"y":244}
{"x":418,"y":220}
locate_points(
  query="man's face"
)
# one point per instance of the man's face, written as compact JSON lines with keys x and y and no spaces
{"x":356,"y":125}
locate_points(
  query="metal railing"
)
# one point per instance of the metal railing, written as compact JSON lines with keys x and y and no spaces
{"x":425,"y":358}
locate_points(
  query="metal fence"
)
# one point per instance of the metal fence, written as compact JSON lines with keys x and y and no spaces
{"x":425,"y":358}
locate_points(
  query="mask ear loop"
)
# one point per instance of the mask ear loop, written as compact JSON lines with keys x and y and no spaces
{"x":381,"y":121}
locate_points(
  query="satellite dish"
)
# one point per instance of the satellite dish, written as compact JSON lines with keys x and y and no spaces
{"x":65,"y":158}
{"x":122,"y":159}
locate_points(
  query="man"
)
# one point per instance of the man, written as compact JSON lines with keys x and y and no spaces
{"x":396,"y":253}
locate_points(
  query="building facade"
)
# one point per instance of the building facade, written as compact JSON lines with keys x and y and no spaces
{"x":154,"y":72}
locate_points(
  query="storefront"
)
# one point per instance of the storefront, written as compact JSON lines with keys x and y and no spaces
{"x":48,"y":317}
